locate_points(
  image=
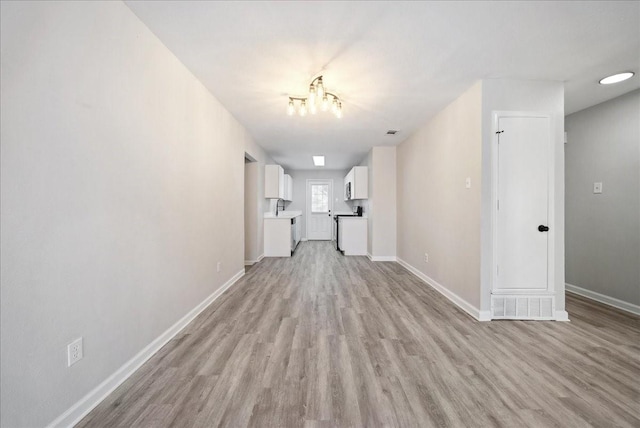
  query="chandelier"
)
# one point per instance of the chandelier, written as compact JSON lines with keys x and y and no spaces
{"x":318,"y":98}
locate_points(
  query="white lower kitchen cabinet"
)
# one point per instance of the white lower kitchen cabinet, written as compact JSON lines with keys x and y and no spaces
{"x":281,"y":233}
{"x":352,"y":236}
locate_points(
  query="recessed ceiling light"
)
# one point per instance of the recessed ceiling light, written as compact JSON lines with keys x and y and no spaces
{"x":318,"y":160}
{"x":616,"y":78}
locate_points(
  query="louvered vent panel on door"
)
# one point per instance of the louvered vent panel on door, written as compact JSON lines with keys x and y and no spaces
{"x":522,"y":307}
{"x":546,"y":307}
{"x":534,"y":307}
{"x":498,"y":306}
{"x":510,"y":308}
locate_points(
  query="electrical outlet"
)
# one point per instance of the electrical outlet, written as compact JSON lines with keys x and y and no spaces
{"x":219,"y":264}
{"x":467,"y":183}
{"x":426,"y":257}
{"x":74,"y":352}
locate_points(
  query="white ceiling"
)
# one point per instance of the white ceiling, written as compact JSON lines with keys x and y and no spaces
{"x":394,"y":64}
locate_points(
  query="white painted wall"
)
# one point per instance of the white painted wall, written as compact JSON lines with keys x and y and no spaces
{"x":603,"y":230}
{"x":523,"y":95}
{"x":383,"y":173}
{"x":300,"y":178}
{"x":122,"y":183}
{"x":381,"y":206}
{"x":368,"y":204}
{"x":436,"y":214}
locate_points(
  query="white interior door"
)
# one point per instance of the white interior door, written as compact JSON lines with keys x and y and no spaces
{"x":522,"y":206}
{"x":319,"y":218}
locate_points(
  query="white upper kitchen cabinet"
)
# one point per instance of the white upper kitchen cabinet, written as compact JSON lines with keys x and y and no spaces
{"x":288,"y":188}
{"x":273,"y":182}
{"x":348,"y":185}
{"x":277,"y":184}
{"x":356,"y":183}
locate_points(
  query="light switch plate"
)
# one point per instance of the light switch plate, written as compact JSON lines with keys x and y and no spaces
{"x":467,"y":183}
{"x":597,"y":187}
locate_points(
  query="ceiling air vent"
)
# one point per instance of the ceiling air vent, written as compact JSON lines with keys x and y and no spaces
{"x":392,"y":132}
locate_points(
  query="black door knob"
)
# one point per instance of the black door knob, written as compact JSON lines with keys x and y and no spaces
{"x":543,"y":228}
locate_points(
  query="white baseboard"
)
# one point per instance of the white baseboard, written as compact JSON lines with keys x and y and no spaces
{"x":79,"y":410}
{"x":562,"y":316}
{"x":457,"y":300}
{"x":484,"y":315}
{"x":382,"y":258}
{"x":303,"y":239}
{"x":611,"y":301}
{"x":253,"y":262}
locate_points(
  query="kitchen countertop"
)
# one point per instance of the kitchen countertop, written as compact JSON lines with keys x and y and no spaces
{"x":283,"y":215}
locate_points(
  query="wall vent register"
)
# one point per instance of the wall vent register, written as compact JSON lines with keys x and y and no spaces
{"x":522,"y":307}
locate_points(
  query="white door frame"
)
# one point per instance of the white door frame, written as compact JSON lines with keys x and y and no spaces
{"x":551,"y":204}
{"x":308,"y":202}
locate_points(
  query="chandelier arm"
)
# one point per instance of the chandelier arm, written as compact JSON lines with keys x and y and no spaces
{"x":333,"y":95}
{"x":307,"y":98}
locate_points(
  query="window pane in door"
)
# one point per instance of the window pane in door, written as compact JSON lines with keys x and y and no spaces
{"x":319,"y":198}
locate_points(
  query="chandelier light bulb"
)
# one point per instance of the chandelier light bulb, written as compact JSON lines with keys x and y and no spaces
{"x":312,"y":108}
{"x":325,"y":103}
{"x":320,"y":89}
{"x":303,"y":108}
{"x":339,"y":110}
{"x":312,"y":94}
{"x":291,"y":109}
{"x":334,"y":105}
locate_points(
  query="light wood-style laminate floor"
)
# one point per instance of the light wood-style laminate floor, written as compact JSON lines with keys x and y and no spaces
{"x":323,"y":340}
